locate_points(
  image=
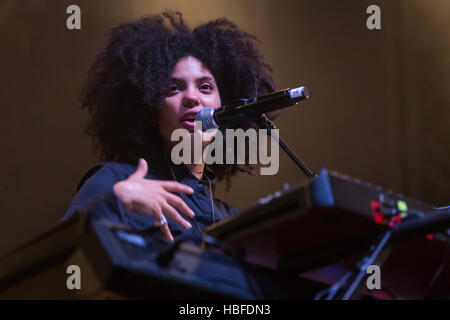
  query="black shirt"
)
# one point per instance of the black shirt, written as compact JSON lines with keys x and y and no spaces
{"x":96,"y":196}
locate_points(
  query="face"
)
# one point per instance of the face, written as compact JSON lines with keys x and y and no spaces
{"x":192,"y":87}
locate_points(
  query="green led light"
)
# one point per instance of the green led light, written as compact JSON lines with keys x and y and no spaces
{"x":402,"y":206}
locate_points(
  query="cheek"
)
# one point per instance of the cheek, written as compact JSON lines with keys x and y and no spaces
{"x":217,"y":103}
{"x":161,"y":118}
{"x":169,"y":106}
{"x":167,"y":112}
{"x":167,"y":116}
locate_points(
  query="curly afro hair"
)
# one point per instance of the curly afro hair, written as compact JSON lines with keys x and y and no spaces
{"x":130,"y":77}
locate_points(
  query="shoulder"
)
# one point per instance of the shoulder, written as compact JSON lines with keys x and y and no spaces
{"x":106,"y":172}
{"x":97,"y":183}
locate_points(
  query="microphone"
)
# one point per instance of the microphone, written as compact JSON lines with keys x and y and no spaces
{"x":245,"y":109}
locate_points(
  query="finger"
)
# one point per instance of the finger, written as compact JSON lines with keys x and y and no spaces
{"x":175,"y":216}
{"x":166,"y":232}
{"x":141,"y":170}
{"x":177,"y":202}
{"x":173,"y":186}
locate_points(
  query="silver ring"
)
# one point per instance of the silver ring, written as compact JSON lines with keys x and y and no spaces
{"x":161,"y":222}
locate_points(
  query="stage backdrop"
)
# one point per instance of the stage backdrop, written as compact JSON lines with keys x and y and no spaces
{"x":379,"y":107}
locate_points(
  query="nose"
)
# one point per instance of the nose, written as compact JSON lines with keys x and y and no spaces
{"x":191,"y":98}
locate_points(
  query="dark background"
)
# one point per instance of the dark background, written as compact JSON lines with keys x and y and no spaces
{"x":379,"y":107}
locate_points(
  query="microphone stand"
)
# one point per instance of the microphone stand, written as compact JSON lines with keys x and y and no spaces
{"x":268,"y":124}
{"x":351,"y":285}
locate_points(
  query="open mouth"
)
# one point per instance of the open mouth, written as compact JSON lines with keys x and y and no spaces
{"x":189,"y":118}
{"x":188,"y":122}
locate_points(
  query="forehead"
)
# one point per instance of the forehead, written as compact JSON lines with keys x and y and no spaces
{"x":190,"y":67}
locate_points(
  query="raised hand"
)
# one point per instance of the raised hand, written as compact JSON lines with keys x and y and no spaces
{"x":153,"y":197}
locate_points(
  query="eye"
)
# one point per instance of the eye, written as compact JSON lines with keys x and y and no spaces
{"x":174,"y":87}
{"x":206,"y":87}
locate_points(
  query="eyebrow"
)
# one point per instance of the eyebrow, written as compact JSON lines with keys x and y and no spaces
{"x":206,"y":78}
